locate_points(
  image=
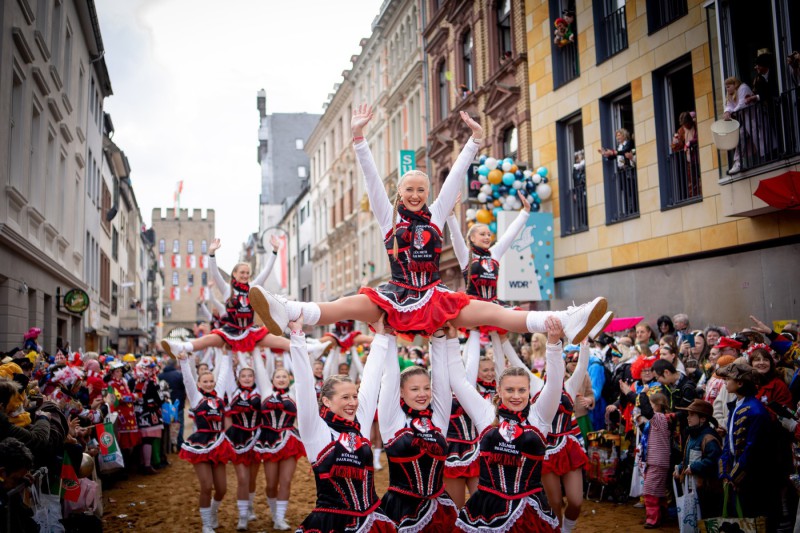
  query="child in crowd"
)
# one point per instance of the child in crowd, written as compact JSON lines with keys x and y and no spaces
{"x":701,"y":456}
{"x":653,"y":409}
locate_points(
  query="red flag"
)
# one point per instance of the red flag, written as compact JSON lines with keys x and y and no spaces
{"x":70,"y":486}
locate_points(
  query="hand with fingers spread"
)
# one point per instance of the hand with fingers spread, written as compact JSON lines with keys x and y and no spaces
{"x":275,"y":242}
{"x":361,"y":117}
{"x":214,"y":246}
{"x":477,"y":130}
{"x":555,"y":330}
{"x":526,"y":205}
{"x":760,"y":327}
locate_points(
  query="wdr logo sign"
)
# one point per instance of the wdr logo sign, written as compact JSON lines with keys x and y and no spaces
{"x":518,"y":284}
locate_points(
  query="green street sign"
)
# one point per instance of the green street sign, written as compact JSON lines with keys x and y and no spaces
{"x":408,"y":161}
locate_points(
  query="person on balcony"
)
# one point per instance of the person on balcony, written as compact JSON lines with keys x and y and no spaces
{"x":624,"y":154}
{"x":765,"y":91}
{"x":736,"y":98}
{"x":685,"y":139}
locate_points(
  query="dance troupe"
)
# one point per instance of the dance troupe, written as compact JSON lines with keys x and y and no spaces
{"x":503,"y":433}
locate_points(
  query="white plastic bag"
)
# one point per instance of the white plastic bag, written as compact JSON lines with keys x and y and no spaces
{"x":46,"y":507}
{"x":687,"y":503}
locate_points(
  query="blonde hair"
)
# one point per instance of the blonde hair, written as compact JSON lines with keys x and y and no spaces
{"x":625,"y":133}
{"x":411,"y":372}
{"x":736,"y":84}
{"x":237,"y":266}
{"x":539,"y":353}
{"x":510,"y":372}
{"x":329,"y":387}
{"x":397,"y":201}
{"x":475,"y":227}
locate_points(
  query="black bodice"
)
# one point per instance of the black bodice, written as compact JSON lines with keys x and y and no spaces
{"x":419,"y":246}
{"x":240,"y":314}
{"x":511,"y":459}
{"x":245,"y":409}
{"x":345,"y":477}
{"x":417,"y":455}
{"x":481,"y":275}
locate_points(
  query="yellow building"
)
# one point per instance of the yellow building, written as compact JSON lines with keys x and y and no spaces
{"x":663,"y":230}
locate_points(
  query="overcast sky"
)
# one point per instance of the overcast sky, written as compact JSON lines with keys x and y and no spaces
{"x":185,"y":75}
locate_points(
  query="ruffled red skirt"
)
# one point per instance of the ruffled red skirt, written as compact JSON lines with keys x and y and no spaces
{"x":218,"y":455}
{"x":292,"y":449}
{"x":244,"y":344}
{"x":129,"y":439}
{"x":250,"y":457}
{"x":571,"y":457}
{"x":456,"y":472}
{"x":443,"y":305}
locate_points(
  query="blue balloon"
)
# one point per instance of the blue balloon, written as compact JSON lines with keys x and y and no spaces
{"x":496,"y":194}
{"x":495,"y":187}
{"x":535,"y":206}
{"x":483,"y":170}
{"x":502,"y":189}
{"x":542,"y":171}
{"x":482,"y":159}
{"x":518,"y":174}
{"x":497,"y":210}
{"x":536,"y":198}
{"x":508,"y":160}
{"x":508,"y":178}
{"x":545,"y":180}
{"x":493,"y":227}
{"x":530,"y":186}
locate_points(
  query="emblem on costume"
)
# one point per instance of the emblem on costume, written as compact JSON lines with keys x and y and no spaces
{"x":509,"y":430}
{"x":423,"y":425}
{"x":349,"y":441}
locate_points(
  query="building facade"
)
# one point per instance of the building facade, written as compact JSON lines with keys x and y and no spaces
{"x":182,"y":247}
{"x":51,"y":59}
{"x":476,"y":61}
{"x":666,"y":229}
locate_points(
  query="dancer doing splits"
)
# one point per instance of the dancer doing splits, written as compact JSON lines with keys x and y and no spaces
{"x":207,"y":448}
{"x":414,"y":300}
{"x":415,"y":445}
{"x":278,"y":445}
{"x":237,"y":333}
{"x":513,"y":443}
{"x":335,"y":434}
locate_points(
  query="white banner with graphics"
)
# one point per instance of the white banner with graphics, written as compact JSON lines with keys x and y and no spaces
{"x":526,"y":269}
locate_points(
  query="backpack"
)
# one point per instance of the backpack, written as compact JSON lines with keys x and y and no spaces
{"x":610,"y":391}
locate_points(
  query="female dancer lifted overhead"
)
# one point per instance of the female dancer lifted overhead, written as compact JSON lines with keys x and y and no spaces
{"x":414,"y":300}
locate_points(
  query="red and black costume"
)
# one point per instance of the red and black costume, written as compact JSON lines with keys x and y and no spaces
{"x":564,"y":449}
{"x":279,"y":438}
{"x":208,"y":443}
{"x":462,"y":445}
{"x":244,"y":410}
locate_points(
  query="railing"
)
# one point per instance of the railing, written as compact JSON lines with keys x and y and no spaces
{"x":769,"y":131}
{"x":576,"y":215}
{"x":661,"y":13}
{"x":624,"y":197}
{"x":684,"y":183}
{"x":565,"y":64}
{"x":614,"y":33}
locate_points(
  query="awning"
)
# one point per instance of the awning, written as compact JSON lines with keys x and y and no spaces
{"x":782,"y":192}
{"x":623,"y":323}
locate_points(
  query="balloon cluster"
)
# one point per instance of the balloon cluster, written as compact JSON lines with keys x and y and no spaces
{"x":501,"y":179}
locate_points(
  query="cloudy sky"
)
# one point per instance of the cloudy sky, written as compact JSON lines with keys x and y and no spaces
{"x":185,"y":75}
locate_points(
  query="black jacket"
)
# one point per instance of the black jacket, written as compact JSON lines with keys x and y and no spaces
{"x":174,"y":379}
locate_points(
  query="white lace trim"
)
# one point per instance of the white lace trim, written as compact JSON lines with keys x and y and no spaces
{"x":423,"y":521}
{"x":371,"y":519}
{"x":465,"y":462}
{"x":285,"y":435}
{"x":249,"y":446}
{"x":207,"y":449}
{"x":408,"y":308}
{"x":242,"y":335}
{"x":511,"y":519}
{"x":560,"y":446}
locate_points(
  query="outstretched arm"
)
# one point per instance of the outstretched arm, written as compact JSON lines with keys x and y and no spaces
{"x":370,"y":387}
{"x":546,"y":406}
{"x":459,"y":244}
{"x":390,"y":416}
{"x":575,"y":382}
{"x":499,"y":358}
{"x":378,"y":201}
{"x":479,"y":410}
{"x":189,"y":382}
{"x":504,"y":242}
{"x":442,"y":398}
{"x":264,"y":274}
{"x":219,"y":281}
{"x":204,"y":313}
{"x":219,"y":306}
{"x":472,"y":356}
{"x":356,"y":366}
{"x":226,"y":382}
{"x":513,"y":359}
{"x":262,"y":381}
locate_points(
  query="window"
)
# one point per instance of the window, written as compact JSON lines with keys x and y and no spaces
{"x":566,"y":66}
{"x":444,"y":102}
{"x":302,"y":172}
{"x":203,"y":247}
{"x":55,"y":35}
{"x":678,"y":167}
{"x":466,"y":63}
{"x":611,"y":35}
{"x":162,"y":246}
{"x":15,"y":141}
{"x":174,"y":279}
{"x":204,"y":278}
{"x":105,"y":206}
{"x":176,"y":246}
{"x":572,"y":176}
{"x":105,"y":278}
{"x":190,"y":246}
{"x":619,"y":173}
{"x":114,"y":298}
{"x":115,"y":244}
{"x":35,"y":157}
{"x":299,"y":144}
{"x":661,"y":13}
{"x":190,"y":279}
{"x":510,"y":142}
{"x":504,"y":28}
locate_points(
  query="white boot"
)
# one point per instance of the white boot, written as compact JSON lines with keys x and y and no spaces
{"x":251,"y":508}
{"x":173,"y":348}
{"x":600,"y":326}
{"x":279,"y":522}
{"x":273,"y":310}
{"x":579,"y":321}
{"x":215,"y":513}
{"x":205,"y":517}
{"x":244,"y":512}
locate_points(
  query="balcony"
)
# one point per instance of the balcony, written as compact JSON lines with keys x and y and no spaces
{"x":565,"y":64}
{"x":623,"y":194}
{"x":575,"y":214}
{"x":612,"y":32}
{"x":683,"y":171}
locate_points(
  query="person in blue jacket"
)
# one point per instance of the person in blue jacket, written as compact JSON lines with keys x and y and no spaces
{"x":597,"y":373}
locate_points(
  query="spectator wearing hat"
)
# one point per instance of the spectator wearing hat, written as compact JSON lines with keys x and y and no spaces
{"x":765,"y":84}
{"x":729,"y":346}
{"x":654,"y":409}
{"x":701,"y":455}
{"x":771,"y":387}
{"x":723,"y":397}
{"x":747,"y":461}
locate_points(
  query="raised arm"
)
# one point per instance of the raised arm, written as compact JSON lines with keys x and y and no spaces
{"x":513,"y":359}
{"x":219,"y":306}
{"x":314,"y":432}
{"x":204,"y":313}
{"x":499,"y":357}
{"x":262,"y":381}
{"x":504,"y":242}
{"x":356,"y":366}
{"x":544,"y":409}
{"x":331,"y":365}
{"x":574,"y":384}
{"x":441,"y":396}
{"x":189,"y":382}
{"x":264,"y":274}
{"x":219,"y":281}
{"x":226,"y":382}
{"x":390,"y":416}
{"x":378,"y":200}
{"x":459,"y":244}
{"x":369,"y":388}
{"x":448,"y":194}
{"x":479,"y":410}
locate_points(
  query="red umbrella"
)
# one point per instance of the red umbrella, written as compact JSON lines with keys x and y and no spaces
{"x":781,"y":191}
{"x":623,"y":323}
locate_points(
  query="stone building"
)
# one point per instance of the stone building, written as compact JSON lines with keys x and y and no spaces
{"x":669,"y":229}
{"x":182,"y":247}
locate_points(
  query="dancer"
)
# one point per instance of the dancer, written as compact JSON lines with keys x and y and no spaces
{"x":335,"y":436}
{"x":242,"y":428}
{"x":148,"y":411}
{"x":207,"y":448}
{"x":513,"y":444}
{"x":343,"y":341}
{"x":414,"y":300}
{"x":565,"y":455}
{"x":279,"y":445}
{"x":415,"y":444}
{"x":237,"y":333}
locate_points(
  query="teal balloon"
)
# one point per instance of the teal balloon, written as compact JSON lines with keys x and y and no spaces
{"x":542,"y":171}
{"x":482,"y":159}
{"x":483,"y":170}
{"x":496,"y":194}
{"x":508,"y":178}
{"x":497,"y":210}
{"x":535,"y":206}
{"x":535,"y":197}
{"x":495,"y":187}
{"x":493,"y":226}
{"x":508,"y":160}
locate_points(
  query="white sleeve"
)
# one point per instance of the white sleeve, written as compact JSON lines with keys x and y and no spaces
{"x":262,"y":382}
{"x":314,"y":432}
{"x":287,"y":363}
{"x":368,"y":391}
{"x":574,"y":384}
{"x":264,"y":274}
{"x":356,"y":366}
{"x":459,"y":244}
{"x":269,"y":365}
{"x":378,"y":200}
{"x":390,"y":416}
{"x":223,"y":287}
{"x":511,"y":354}
{"x":472,"y":356}
{"x":479,"y":410}
{"x":226,"y":382}
{"x":501,"y":246}
{"x":546,"y":406}
{"x":204,"y":313}
{"x":190,"y":384}
{"x":455,"y":180}
{"x":219,"y":306}
{"x":442,"y":401}
{"x":499,"y":356}
{"x":331,"y":362}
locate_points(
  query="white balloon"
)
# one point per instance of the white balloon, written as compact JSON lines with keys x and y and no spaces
{"x":481,"y":197}
{"x":536,"y":178}
{"x":491,"y":162}
{"x":508,"y":206}
{"x":506,"y":166}
{"x":517,"y":184}
{"x":544,"y":191}
{"x":486,"y":189}
{"x":517,"y":203}
{"x":471,"y":214}
{"x":527,"y":173}
{"x":483,"y":179}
